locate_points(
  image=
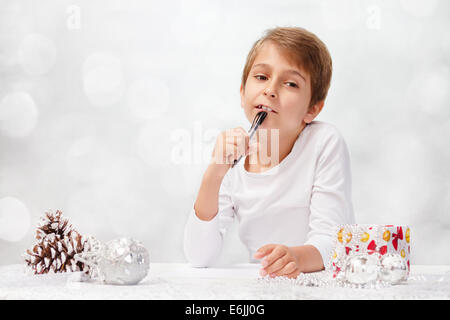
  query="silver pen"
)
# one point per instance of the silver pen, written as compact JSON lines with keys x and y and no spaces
{"x":259,"y":118}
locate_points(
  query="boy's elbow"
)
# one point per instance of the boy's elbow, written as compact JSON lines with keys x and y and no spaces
{"x":199,"y":259}
{"x":202,"y":246}
{"x":199,"y":263}
{"x":200,"y":255}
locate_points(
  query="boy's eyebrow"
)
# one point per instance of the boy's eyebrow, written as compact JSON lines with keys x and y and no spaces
{"x":287,"y":71}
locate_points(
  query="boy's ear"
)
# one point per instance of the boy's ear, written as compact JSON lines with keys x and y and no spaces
{"x":241,"y":90}
{"x":314,"y":111}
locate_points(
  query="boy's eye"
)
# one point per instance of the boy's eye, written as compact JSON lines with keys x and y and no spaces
{"x":260,"y":77}
{"x":292,"y":84}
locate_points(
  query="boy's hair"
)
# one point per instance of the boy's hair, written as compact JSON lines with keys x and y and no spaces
{"x":306,"y":49}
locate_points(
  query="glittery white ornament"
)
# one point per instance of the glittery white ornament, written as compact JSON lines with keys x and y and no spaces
{"x":122,"y":261}
{"x":362,"y":269}
{"x":393,"y":268}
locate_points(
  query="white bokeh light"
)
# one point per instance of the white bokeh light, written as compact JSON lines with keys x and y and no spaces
{"x":173,"y":181}
{"x":214,"y":111}
{"x":404,"y":164}
{"x":8,"y":54}
{"x":193,"y":176}
{"x":82,"y":147}
{"x":196,"y":21}
{"x":444,"y":43}
{"x":154,"y":144}
{"x":436,"y":136}
{"x":148,"y":98}
{"x":13,"y":20}
{"x":120,"y":204}
{"x":341,"y":15}
{"x":75,"y":125}
{"x":429,"y":90}
{"x":87,"y":209}
{"x":37,"y":54}
{"x":442,"y":214}
{"x":14,"y":219}
{"x":88,"y":160}
{"x":18,"y":114}
{"x":420,"y":8}
{"x":103,"y":81}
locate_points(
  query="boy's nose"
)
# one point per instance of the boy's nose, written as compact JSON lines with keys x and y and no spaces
{"x":270,"y":93}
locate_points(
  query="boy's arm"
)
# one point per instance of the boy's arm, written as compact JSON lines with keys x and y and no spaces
{"x":202,"y":235}
{"x":308,"y":257}
{"x":206,"y":205}
{"x":331,"y":197}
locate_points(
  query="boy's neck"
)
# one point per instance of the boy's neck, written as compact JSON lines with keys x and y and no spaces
{"x":264,"y":158}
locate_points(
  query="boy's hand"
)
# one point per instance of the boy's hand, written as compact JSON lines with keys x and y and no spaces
{"x":279,"y":261}
{"x":230,"y":145}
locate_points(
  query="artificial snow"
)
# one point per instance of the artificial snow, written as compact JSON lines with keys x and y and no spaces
{"x":181,"y":281}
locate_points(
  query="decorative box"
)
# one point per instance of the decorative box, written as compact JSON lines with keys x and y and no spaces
{"x":358,"y":239}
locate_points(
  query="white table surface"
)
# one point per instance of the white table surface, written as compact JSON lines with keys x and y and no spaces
{"x":242,"y":281}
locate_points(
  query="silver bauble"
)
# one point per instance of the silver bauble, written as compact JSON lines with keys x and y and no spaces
{"x":362,"y":269}
{"x":393,"y":268}
{"x":123,"y":261}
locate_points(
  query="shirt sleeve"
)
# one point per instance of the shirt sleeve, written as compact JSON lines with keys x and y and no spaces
{"x":331,"y":199}
{"x":203,"y":240}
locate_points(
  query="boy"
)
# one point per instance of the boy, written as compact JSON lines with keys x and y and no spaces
{"x":288,"y":204}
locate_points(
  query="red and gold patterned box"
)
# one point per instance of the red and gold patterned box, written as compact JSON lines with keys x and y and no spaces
{"x":369,"y":239}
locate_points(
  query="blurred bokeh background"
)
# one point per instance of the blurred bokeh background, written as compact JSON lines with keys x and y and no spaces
{"x":109,"y":111}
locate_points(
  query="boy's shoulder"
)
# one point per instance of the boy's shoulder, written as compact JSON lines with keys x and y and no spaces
{"x":324,"y":136}
{"x":323,"y":130}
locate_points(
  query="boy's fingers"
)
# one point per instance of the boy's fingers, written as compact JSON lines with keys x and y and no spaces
{"x":229,"y":154}
{"x":277,"y":266}
{"x":287,"y":269}
{"x":276,"y":254}
{"x":237,"y":133}
{"x":252,"y":148}
{"x":230,"y":145}
{"x":294,"y":274}
{"x":263,"y":251}
{"x":241,"y":133}
{"x":236,"y":145}
{"x":232,"y":150}
{"x":258,"y":255}
{"x":242,"y":130}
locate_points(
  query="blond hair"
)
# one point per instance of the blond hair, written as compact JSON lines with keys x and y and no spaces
{"x":306,"y":49}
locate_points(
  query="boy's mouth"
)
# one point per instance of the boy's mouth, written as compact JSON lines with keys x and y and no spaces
{"x":265,"y":108}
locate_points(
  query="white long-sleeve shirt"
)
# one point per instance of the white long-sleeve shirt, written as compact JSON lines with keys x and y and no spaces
{"x":297,"y":202}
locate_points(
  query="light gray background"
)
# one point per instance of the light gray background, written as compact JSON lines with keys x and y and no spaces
{"x":93,"y":95}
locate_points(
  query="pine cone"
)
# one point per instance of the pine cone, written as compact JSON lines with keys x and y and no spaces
{"x":57,"y":243}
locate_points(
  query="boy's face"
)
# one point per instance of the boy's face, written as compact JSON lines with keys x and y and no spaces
{"x":278,"y":83}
